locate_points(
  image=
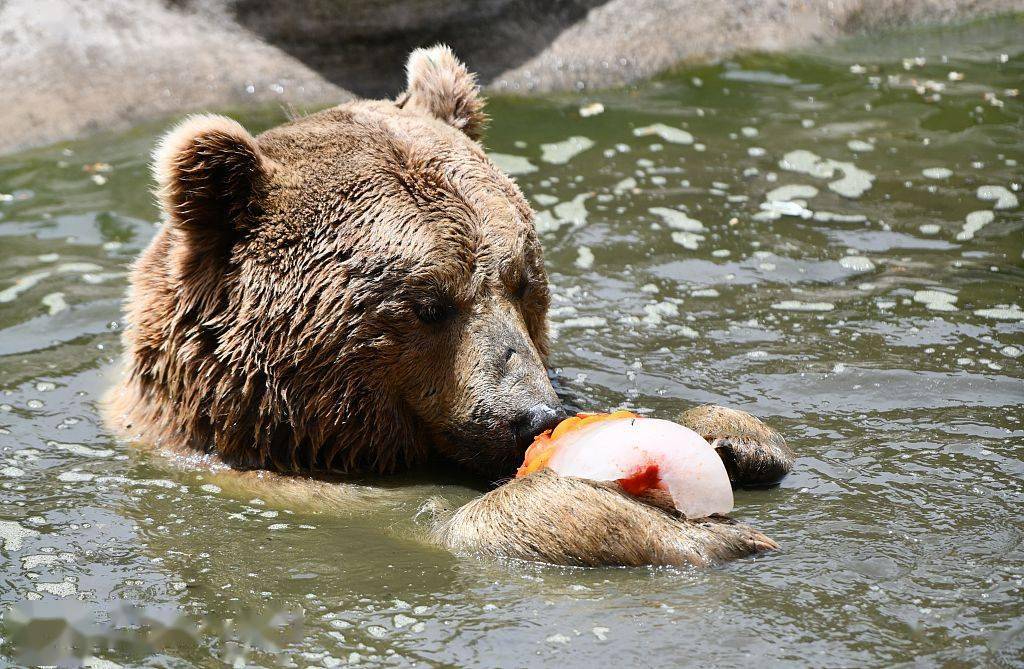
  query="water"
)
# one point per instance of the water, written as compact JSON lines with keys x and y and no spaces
{"x":850,"y":308}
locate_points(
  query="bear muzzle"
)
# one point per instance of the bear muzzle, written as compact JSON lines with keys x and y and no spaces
{"x":534,"y":421}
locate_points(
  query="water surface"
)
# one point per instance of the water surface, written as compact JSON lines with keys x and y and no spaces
{"x":830,"y":240}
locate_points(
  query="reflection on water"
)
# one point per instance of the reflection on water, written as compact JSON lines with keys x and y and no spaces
{"x":830,"y":240}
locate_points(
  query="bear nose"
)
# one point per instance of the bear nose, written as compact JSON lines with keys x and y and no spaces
{"x":535,"y":420}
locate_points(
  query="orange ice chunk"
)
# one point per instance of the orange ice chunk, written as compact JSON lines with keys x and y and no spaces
{"x":639,"y":454}
{"x":544,"y":444}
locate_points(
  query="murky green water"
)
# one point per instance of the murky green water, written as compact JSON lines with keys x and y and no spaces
{"x":856,"y":312}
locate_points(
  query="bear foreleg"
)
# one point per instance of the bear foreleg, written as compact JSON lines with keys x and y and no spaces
{"x":563,"y":520}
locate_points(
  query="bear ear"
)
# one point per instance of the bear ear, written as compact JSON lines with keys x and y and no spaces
{"x":440,"y":85}
{"x":209,"y":171}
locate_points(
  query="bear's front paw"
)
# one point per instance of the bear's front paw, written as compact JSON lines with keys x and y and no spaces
{"x":754,"y":454}
{"x":563,"y":520}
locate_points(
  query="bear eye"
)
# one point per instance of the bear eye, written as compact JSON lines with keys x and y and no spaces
{"x":435,"y":312}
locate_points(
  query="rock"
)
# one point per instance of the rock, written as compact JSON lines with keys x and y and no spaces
{"x":72,"y":67}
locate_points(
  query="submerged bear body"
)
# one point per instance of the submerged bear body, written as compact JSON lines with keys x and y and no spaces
{"x":361,"y":290}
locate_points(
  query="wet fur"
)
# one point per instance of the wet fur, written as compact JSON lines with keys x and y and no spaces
{"x":273,"y":319}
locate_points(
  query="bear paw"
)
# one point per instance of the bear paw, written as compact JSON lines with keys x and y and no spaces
{"x":754,"y":454}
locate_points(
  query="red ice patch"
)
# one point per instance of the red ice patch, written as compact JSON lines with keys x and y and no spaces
{"x":643,"y":479}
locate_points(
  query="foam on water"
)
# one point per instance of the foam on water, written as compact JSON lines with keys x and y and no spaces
{"x":584,"y":258}
{"x":33,"y":562}
{"x":544,"y":221}
{"x":937,"y":172}
{"x":656,"y":312}
{"x":774,"y":210}
{"x":54,"y":303}
{"x":624,"y":186}
{"x":33,"y":279}
{"x":574,"y":211}
{"x":860,"y":146}
{"x":1003,"y":197}
{"x":666,"y":132}
{"x":1003,"y":312}
{"x":761,"y":77}
{"x":805,"y":162}
{"x":686,"y":331}
{"x":830,"y":217}
{"x":677,"y":220}
{"x":81,"y":449}
{"x":857,"y":263}
{"x":79,"y":267}
{"x":75,"y":477}
{"x":22,"y":284}
{"x":797,"y":305}
{"x":102,"y":277}
{"x":14,"y":534}
{"x":688,"y":240}
{"x":975,"y":221}
{"x":65,"y":588}
{"x":853,"y":183}
{"x":936,"y":300}
{"x":583,"y":322}
{"x":512,"y":165}
{"x":560,"y":153}
{"x":791,"y":192}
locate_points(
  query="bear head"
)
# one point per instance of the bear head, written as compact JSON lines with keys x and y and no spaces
{"x":351,"y":291}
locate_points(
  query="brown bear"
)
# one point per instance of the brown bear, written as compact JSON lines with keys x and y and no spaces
{"x":359,"y":291}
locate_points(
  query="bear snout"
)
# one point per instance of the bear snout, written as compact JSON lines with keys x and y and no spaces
{"x":535,"y":420}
